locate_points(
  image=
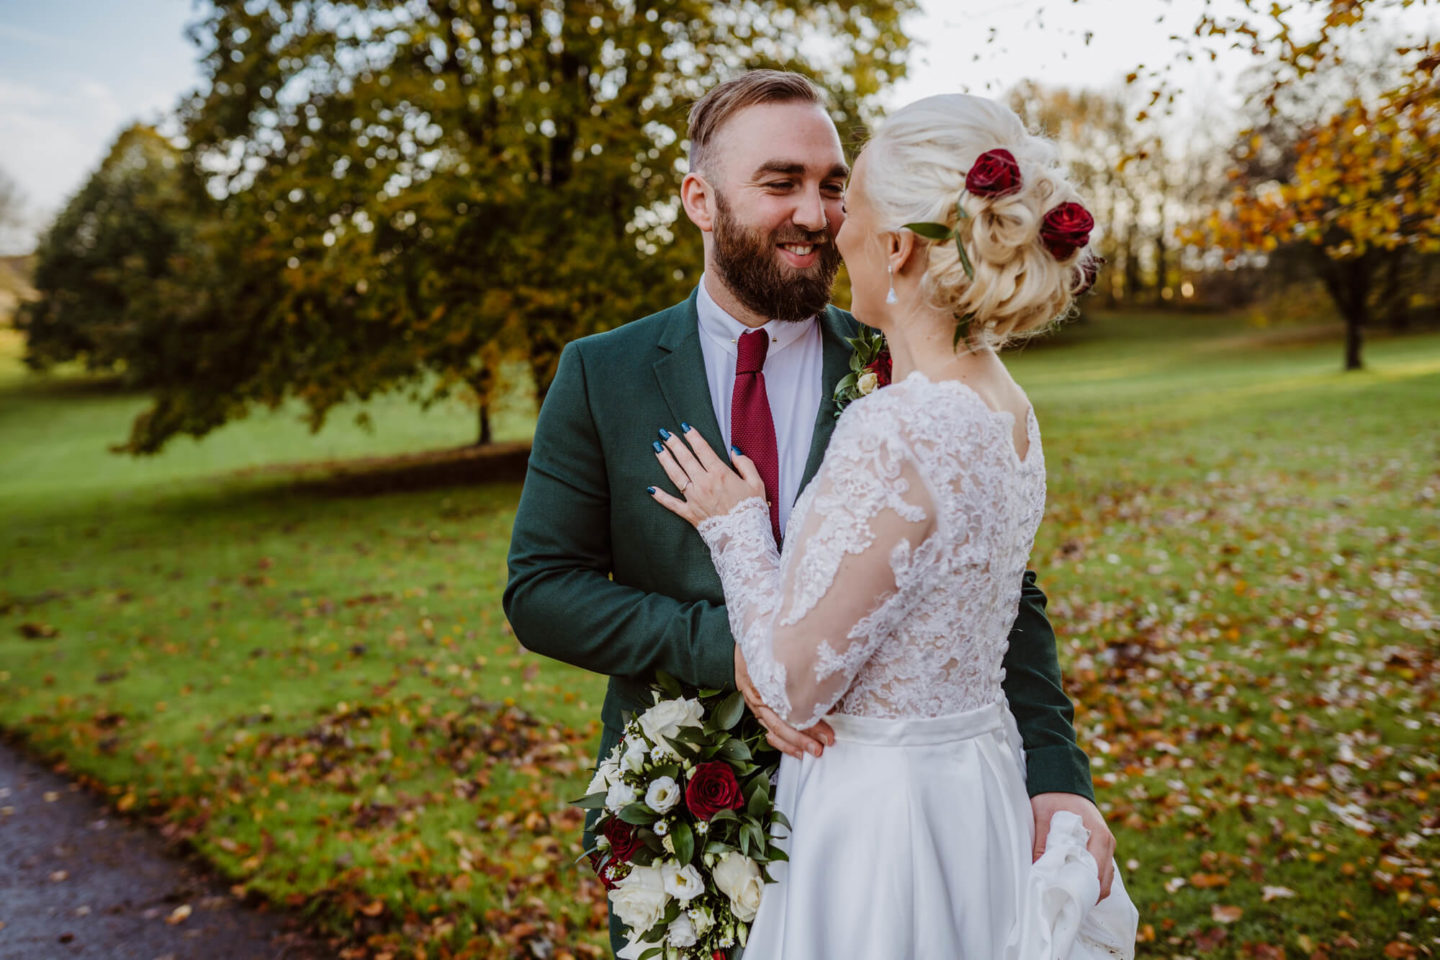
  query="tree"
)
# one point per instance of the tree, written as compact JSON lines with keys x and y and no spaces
{"x":412,"y":192}
{"x":12,"y":206}
{"x":97,"y":266}
{"x":1355,"y":187}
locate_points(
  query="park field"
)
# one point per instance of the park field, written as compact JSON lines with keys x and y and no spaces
{"x":311,"y":682}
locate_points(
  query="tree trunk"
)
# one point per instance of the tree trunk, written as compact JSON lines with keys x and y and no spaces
{"x":486,"y":435}
{"x":1348,"y":283}
{"x":1354,"y":341}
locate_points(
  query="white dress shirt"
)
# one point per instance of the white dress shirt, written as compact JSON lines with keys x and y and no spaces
{"x":794,"y":370}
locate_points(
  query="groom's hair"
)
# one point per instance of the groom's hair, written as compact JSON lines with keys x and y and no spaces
{"x":711,"y":111}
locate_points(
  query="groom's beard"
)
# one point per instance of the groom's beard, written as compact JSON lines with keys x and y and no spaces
{"x":749,"y":264}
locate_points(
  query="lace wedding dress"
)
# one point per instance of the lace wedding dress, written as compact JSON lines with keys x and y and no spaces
{"x":891,"y":606}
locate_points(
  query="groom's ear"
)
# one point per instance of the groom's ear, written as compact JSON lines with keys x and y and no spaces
{"x":698,"y":198}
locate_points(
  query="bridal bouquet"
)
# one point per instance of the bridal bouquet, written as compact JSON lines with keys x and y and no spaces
{"x":684,"y":836}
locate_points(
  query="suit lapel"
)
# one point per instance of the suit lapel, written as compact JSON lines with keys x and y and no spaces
{"x":680,"y":372}
{"x":835,"y":327}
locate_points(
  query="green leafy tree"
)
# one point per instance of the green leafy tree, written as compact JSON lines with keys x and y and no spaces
{"x":412,"y":194}
{"x":97,"y":266}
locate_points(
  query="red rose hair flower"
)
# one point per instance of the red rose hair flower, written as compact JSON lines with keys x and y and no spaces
{"x":995,"y":173}
{"x":1066,"y":229}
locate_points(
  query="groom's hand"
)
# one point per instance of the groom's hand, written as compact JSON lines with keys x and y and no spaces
{"x":780,"y":734}
{"x":1102,"y":841}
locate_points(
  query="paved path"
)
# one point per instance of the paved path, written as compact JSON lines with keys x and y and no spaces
{"x":77,"y":881}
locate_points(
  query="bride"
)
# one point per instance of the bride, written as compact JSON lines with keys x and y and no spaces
{"x":888,"y":611}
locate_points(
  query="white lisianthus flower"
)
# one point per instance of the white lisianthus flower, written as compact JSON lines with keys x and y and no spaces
{"x":663,"y":794}
{"x":738,"y":877}
{"x":634,"y":757}
{"x":681,"y":932}
{"x":640,"y":899}
{"x":682,"y":883}
{"x":620,"y":796}
{"x":867,"y":383}
{"x":667,"y":717}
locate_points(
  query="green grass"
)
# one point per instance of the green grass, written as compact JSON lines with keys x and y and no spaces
{"x":320,"y":692}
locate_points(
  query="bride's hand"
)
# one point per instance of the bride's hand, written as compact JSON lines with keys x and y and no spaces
{"x":708,"y":486}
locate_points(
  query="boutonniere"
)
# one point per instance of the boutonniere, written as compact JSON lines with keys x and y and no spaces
{"x":869,"y":368}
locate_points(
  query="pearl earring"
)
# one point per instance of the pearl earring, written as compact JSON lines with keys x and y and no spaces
{"x":890,"y":297}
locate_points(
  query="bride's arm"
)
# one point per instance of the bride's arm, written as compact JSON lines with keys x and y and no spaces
{"x":807,"y":625}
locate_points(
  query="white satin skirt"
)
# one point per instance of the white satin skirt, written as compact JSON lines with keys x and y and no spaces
{"x":911,"y":840}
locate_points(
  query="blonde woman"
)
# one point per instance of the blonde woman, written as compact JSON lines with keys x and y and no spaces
{"x":888,"y":612}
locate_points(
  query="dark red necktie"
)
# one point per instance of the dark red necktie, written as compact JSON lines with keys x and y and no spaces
{"x":751,"y":427}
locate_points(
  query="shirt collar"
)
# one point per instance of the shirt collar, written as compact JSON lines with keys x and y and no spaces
{"x":724,"y":330}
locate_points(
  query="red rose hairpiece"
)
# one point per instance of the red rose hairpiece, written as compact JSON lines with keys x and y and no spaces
{"x":1066,"y":229}
{"x":995,"y":173}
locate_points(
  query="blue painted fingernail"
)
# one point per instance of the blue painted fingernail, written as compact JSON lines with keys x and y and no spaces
{"x":684,"y":427}
{"x":650,"y":490}
{"x":664,"y":434}
{"x":737,"y":451}
{"x":658,"y":447}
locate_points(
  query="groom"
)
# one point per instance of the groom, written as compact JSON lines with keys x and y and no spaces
{"x":600,"y":575}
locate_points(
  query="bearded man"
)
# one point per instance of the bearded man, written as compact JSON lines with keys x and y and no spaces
{"x":602,"y":579}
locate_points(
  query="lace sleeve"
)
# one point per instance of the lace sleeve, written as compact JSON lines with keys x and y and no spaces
{"x":808,"y":623}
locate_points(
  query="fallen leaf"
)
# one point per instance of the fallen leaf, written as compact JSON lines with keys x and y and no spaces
{"x":1275,"y":893}
{"x":178,"y":915}
{"x":1221,"y":913}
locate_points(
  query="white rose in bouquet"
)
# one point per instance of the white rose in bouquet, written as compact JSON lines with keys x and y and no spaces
{"x":619,"y":796}
{"x":667,"y":717}
{"x":682,"y":883}
{"x":639,"y":900}
{"x":663,"y":794}
{"x":867,"y":383}
{"x":681,"y":932}
{"x":738,"y":877}
{"x":605,"y":774}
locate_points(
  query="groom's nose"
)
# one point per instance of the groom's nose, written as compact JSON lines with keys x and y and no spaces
{"x":810,"y":210}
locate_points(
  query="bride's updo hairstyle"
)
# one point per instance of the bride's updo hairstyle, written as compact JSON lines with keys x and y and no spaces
{"x":919,"y":162}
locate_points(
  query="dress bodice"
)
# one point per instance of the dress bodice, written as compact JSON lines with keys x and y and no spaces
{"x":901,"y":572}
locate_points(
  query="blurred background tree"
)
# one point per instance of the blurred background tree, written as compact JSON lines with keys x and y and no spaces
{"x":1336,"y":175}
{"x":424,"y":196}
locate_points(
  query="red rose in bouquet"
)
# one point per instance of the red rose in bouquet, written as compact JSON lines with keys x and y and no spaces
{"x":713,"y":788}
{"x":623,"y":839}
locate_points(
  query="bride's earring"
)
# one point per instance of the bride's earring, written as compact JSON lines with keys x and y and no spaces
{"x":890,"y":297}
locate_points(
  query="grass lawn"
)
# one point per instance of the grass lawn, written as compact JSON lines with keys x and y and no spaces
{"x":318,"y":689}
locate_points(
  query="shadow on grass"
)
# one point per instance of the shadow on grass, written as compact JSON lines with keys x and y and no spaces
{"x":404,"y":473}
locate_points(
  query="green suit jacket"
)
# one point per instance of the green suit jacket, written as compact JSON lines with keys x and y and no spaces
{"x":604,"y":578}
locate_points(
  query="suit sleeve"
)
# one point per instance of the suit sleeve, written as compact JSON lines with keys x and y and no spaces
{"x":1044,"y":714}
{"x":560,"y":599}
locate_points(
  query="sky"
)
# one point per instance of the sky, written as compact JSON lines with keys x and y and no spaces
{"x":73,"y":74}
